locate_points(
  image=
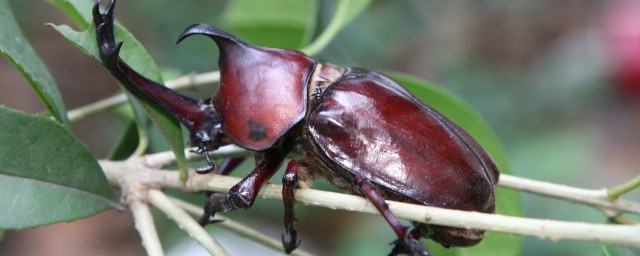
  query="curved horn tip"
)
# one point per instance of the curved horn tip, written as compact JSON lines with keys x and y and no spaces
{"x":206,"y":29}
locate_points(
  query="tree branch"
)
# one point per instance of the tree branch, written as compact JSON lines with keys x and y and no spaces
{"x":626,"y":235}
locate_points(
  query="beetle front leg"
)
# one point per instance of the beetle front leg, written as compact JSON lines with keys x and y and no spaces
{"x":227,"y":166}
{"x":407,"y":242}
{"x":243,"y":194}
{"x":289,"y":184}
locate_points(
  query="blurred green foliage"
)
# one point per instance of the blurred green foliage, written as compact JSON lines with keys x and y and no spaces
{"x":533,"y":69}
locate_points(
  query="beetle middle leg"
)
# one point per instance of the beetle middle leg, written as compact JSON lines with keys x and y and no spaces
{"x":289,"y":184}
{"x":407,"y":241}
{"x":243,"y":194}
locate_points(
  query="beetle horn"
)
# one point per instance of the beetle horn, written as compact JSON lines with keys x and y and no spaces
{"x":219,"y":36}
{"x":197,"y":115}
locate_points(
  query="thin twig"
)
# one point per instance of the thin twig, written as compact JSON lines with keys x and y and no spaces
{"x":95,"y":107}
{"x":598,"y":198}
{"x":550,"y":229}
{"x":146,"y":228}
{"x":185,"y":222}
{"x":240,"y":229}
{"x":178,"y":83}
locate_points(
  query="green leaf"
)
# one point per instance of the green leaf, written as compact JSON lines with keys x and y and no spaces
{"x":609,"y":250}
{"x":127,"y":144}
{"x":72,"y":9}
{"x":275,"y":23}
{"x":15,"y":47}
{"x":134,"y":54}
{"x":345,"y":12}
{"x":460,"y":112}
{"x":46,"y":174}
{"x":134,"y":140}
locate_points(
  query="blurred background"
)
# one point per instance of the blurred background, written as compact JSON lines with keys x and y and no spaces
{"x":558,"y":81}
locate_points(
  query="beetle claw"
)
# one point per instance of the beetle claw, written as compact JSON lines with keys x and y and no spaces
{"x":206,"y":220}
{"x":410,"y":246}
{"x":293,"y":242}
{"x":209,"y":209}
{"x":202,"y":149}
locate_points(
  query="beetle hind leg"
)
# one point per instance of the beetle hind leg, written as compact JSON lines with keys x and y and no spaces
{"x":408,"y":241}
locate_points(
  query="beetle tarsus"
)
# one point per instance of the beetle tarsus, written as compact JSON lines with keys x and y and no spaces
{"x":215,"y":203}
{"x":293,"y":242}
{"x":202,"y":149}
{"x":289,"y":184}
{"x":410,"y":244}
{"x":206,"y":220}
{"x":232,"y":201}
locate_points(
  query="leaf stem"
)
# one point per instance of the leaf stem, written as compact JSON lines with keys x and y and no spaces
{"x":335,"y":25}
{"x":617,"y":191}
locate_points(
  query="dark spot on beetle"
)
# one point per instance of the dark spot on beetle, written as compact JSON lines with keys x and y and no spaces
{"x":256,"y":130}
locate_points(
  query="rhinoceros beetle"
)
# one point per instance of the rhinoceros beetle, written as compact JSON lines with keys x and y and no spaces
{"x":357,"y":128}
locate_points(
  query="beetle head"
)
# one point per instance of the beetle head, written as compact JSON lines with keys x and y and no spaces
{"x":205,"y":128}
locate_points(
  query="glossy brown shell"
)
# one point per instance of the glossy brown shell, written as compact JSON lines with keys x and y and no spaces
{"x":262,"y":94}
{"x":372,"y":127}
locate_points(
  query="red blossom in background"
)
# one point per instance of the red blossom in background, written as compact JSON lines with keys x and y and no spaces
{"x":621,"y":31}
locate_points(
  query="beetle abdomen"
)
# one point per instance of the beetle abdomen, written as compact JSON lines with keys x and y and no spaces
{"x":372,"y":127}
